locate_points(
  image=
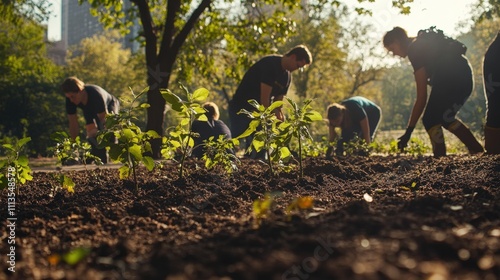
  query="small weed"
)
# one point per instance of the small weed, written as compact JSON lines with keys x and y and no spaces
{"x":15,"y":167}
{"x":219,"y":153}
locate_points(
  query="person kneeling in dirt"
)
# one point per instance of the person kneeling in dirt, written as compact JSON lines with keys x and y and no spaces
{"x":491,"y":76}
{"x":206,"y":129}
{"x":439,"y":61}
{"x":95,"y":103}
{"x":355,"y":116}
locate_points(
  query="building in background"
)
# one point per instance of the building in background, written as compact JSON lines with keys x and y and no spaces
{"x":77,"y":24}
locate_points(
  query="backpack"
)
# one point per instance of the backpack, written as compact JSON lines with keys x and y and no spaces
{"x":443,"y":43}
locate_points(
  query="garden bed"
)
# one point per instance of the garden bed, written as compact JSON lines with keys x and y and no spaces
{"x":379,"y":217}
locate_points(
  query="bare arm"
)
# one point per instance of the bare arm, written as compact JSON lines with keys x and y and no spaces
{"x":265,"y":99}
{"x":421,"y":101}
{"x":365,"y":128}
{"x":73,"y":126}
{"x":92,"y":128}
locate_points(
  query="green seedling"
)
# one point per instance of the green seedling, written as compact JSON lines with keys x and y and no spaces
{"x":262,"y":208}
{"x":299,"y":204}
{"x":73,"y":150}
{"x":72,"y":257}
{"x":219,"y":153}
{"x":268,"y":138}
{"x":63,"y":182}
{"x":416,"y":147}
{"x":413,"y":188}
{"x":297,"y":127}
{"x":357,"y":146}
{"x":182,"y":138}
{"x":127,"y":143}
{"x":15,"y":167}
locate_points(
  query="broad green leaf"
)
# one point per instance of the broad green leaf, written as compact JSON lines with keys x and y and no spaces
{"x":8,"y":146}
{"x":275,"y":105}
{"x":23,"y":160}
{"x":285,"y":152}
{"x":257,"y":144}
{"x":313,"y":116}
{"x":124,"y":172}
{"x":128,"y":133}
{"x":148,"y":162}
{"x":202,"y":118}
{"x":145,"y":105}
{"x":23,"y":141}
{"x":136,"y":151}
{"x":68,"y":184}
{"x":152,"y":134}
{"x":251,"y":129}
{"x":200,"y":94}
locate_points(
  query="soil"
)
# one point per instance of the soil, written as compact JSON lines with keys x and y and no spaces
{"x":378,"y":217}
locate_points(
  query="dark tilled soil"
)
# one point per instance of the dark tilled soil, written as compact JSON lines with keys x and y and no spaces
{"x":373,"y":218}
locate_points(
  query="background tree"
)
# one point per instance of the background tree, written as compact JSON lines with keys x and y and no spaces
{"x":102,"y":60}
{"x":29,"y":85}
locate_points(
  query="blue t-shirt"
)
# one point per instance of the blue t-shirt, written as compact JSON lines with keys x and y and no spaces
{"x":358,"y":109}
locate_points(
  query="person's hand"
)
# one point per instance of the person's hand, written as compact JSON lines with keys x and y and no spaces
{"x":403,"y":140}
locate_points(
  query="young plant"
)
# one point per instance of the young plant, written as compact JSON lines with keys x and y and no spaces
{"x":297,"y":126}
{"x":268,"y":138}
{"x":298,"y":204}
{"x":262,"y":208}
{"x":219,"y":153}
{"x":357,"y":146}
{"x":182,"y":138}
{"x":15,"y":167}
{"x":77,"y":151}
{"x":127,"y":143}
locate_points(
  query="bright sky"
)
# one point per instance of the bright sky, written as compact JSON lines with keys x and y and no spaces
{"x":444,"y":14}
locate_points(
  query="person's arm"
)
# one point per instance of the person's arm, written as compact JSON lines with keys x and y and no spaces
{"x":92,"y":128}
{"x":365,"y":129}
{"x":73,"y":126}
{"x":418,"y":106}
{"x":421,"y":101}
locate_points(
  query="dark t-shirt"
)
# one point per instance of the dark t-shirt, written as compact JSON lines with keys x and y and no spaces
{"x":269,"y":71}
{"x":359,"y":108}
{"x":422,"y":53}
{"x":207,"y":129}
{"x":99,"y":101}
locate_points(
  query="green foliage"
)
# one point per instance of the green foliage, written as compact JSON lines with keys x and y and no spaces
{"x":266,"y":135}
{"x":181,"y":139}
{"x":416,"y":147}
{"x":29,"y":78}
{"x":127,"y":143}
{"x":357,"y":146}
{"x":102,"y":60}
{"x":219,"y":153}
{"x":296,"y":126}
{"x":15,"y":167}
{"x":72,"y":151}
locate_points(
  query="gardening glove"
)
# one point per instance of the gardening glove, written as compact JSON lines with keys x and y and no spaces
{"x":403,"y":140}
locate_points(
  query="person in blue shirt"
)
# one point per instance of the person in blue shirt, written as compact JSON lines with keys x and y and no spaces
{"x":491,"y":76}
{"x":354,"y":116}
{"x":206,"y":129}
{"x":95,"y":103}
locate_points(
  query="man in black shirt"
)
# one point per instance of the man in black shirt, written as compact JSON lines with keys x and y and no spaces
{"x":95,"y":103}
{"x":266,"y":81}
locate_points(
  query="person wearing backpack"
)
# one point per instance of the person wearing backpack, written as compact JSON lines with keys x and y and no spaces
{"x":440,"y":62}
{"x":491,"y":76}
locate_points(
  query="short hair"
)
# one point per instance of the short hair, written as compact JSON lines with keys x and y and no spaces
{"x":335,"y":110}
{"x":396,"y":34}
{"x":301,"y":52}
{"x":212,"y":110}
{"x":72,"y":84}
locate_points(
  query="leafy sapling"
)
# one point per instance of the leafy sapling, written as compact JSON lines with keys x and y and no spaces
{"x":297,"y":125}
{"x":182,"y":138}
{"x":268,"y":138}
{"x":15,"y":167}
{"x":219,"y":152}
{"x":127,"y":143}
